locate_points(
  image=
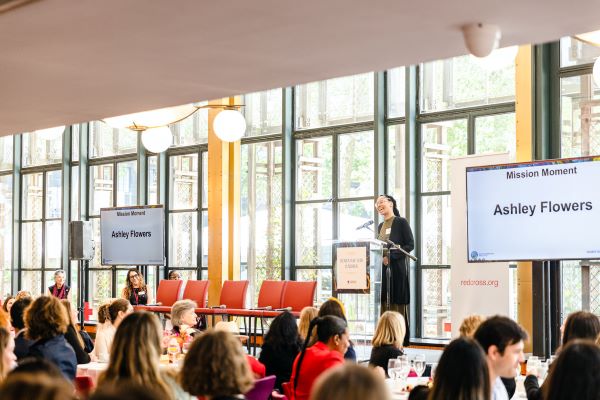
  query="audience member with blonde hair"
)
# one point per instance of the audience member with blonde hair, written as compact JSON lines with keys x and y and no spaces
{"x":7,"y":347}
{"x":216,"y":367}
{"x":470,"y":324}
{"x":72,"y":335}
{"x":350,"y":382}
{"x":135,"y":356}
{"x":388,"y":338}
{"x":306,"y":315}
{"x":46,"y":321}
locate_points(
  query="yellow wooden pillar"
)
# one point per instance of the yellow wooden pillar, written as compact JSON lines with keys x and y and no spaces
{"x":223,"y":207}
{"x":524,"y":127}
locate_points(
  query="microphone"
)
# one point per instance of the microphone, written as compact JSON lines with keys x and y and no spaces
{"x":388,"y":241}
{"x":365,"y":225}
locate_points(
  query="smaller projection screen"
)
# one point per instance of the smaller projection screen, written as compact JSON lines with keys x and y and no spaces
{"x":547,"y":210}
{"x":133,"y":235}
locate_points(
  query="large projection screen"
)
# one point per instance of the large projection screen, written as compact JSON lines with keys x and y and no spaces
{"x":132,"y":235}
{"x":547,"y":210}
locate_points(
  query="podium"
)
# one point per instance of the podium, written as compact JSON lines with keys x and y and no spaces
{"x":356,"y":282}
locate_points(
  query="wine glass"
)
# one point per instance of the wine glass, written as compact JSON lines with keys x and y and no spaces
{"x":433,"y":368}
{"x":392,"y":368}
{"x":186,"y":347}
{"x":420,"y":364}
{"x":403,"y":368}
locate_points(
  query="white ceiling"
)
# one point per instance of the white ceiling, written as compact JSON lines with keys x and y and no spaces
{"x":69,"y":61}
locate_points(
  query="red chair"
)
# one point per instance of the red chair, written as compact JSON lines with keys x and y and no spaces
{"x":233,"y":296}
{"x":166,"y":295}
{"x":196,"y":291}
{"x":298,"y":295}
{"x":270,"y":294}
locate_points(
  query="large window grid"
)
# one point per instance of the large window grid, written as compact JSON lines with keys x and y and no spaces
{"x":579,"y":136}
{"x":457,"y":119}
{"x":6,"y":213}
{"x":112,"y":183}
{"x":188,"y":212}
{"x":40,"y":230}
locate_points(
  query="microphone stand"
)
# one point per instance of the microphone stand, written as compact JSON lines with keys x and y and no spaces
{"x":394,"y":246}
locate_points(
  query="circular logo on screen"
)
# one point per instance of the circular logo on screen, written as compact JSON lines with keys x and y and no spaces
{"x":474,"y":254}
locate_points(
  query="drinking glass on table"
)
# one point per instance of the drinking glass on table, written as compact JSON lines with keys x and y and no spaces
{"x":420,"y":364}
{"x":403,"y":368}
{"x":392,"y":368}
{"x":433,"y":368}
{"x":533,"y":364}
{"x":186,"y":347}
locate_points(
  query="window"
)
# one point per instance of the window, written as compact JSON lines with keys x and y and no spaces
{"x":41,"y":148}
{"x":41,"y":239}
{"x":261,"y":212}
{"x":188,"y":214}
{"x":106,"y":141}
{"x":335,"y":102}
{"x":396,"y":165}
{"x":396,"y":101}
{"x":192,"y":130}
{"x":263,"y":112}
{"x":6,"y":231}
{"x":466,"y":82}
{"x":495,"y":134}
{"x":575,"y":52}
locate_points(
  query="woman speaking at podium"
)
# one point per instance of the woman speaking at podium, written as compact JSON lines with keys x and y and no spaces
{"x":394,"y":229}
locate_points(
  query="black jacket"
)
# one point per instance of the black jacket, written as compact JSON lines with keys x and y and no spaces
{"x":22,"y":345}
{"x":380,"y":356}
{"x":57,"y":351}
{"x":73,"y":340}
{"x":400,"y":234}
{"x":278,"y":362}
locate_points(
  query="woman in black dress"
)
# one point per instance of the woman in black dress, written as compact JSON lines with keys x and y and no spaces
{"x":397,"y":230}
{"x":135,"y":289}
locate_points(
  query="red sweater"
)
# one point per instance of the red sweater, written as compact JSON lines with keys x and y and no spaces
{"x":317,"y":359}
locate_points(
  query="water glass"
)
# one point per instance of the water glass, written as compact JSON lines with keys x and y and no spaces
{"x":403,"y":368}
{"x":433,"y":368}
{"x":392,"y":368}
{"x":186,"y":347}
{"x":420,"y":364}
{"x":533,"y":364}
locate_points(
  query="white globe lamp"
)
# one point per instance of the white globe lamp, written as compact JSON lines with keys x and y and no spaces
{"x":229,"y":125}
{"x":157,"y":140}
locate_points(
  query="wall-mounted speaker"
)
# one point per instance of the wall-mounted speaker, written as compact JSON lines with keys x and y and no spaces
{"x":81,"y":241}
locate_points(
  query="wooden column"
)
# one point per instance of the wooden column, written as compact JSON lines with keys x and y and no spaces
{"x":524,"y":127}
{"x":223,"y":208}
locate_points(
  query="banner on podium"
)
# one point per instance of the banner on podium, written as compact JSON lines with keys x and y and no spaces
{"x":351,"y":268}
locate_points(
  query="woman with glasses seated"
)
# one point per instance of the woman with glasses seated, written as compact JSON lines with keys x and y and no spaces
{"x":135,"y":289}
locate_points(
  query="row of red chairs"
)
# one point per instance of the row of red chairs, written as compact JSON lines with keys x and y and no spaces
{"x":274,"y":297}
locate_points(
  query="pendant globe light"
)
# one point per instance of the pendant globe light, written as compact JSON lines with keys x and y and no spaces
{"x":158,"y":139}
{"x":229,"y":125}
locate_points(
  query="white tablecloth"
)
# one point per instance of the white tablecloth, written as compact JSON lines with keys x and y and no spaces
{"x":396,"y":387}
{"x":94,"y":369}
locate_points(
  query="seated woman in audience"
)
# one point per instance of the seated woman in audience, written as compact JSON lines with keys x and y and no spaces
{"x":334,"y":307}
{"x":174,"y":275}
{"x":578,"y":325}
{"x":332,"y":343}
{"x":22,"y":343}
{"x":184,"y":320}
{"x":462,"y":373}
{"x":7,"y":347}
{"x":258,"y":369}
{"x":7,"y":303}
{"x":306,"y":315}
{"x":350,"y":382}
{"x":116,"y":311}
{"x":135,"y":290}
{"x":470,"y":324}
{"x":60,"y":289}
{"x":388,"y":339}
{"x":135,"y":356}
{"x":280,"y":347}
{"x":575,"y":374}
{"x":46,"y":321}
{"x":38,"y":386}
{"x":215,"y":367}
{"x":22,"y":294}
{"x":72,"y":335}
